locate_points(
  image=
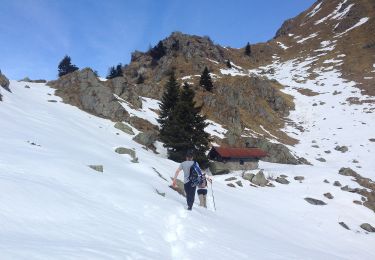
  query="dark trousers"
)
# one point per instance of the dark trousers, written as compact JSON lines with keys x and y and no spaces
{"x":190,"y":194}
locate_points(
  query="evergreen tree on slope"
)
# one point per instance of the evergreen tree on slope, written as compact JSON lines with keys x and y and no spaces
{"x":168,"y":100}
{"x":65,"y":66}
{"x":184,"y":129}
{"x":205,"y":80}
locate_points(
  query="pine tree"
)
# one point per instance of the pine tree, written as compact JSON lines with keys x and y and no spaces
{"x":114,"y":72}
{"x":229,"y":65}
{"x":248,"y":49}
{"x":168,"y":100}
{"x":206,"y":80}
{"x":184,"y":129}
{"x":158,"y":51}
{"x":65,"y":66}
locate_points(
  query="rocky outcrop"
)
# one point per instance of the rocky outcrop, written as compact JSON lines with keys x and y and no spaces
{"x":84,"y":90}
{"x":4,"y":82}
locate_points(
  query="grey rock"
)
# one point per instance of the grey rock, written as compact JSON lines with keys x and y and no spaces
{"x":328,"y":195}
{"x":98,"y":168}
{"x":357,"y":202}
{"x":326,"y":181}
{"x":259,"y":179}
{"x":82,"y":88}
{"x":372,"y":139}
{"x":320,"y":159}
{"x":218,"y":168}
{"x":315,"y":201}
{"x":367,"y":227}
{"x":125,"y":128}
{"x":146,"y":138}
{"x":344,"y":225}
{"x":231,"y":185}
{"x":160,"y":193}
{"x":327,"y":152}
{"x":231,"y":179}
{"x":337,"y":184}
{"x":283,"y":176}
{"x":131,"y":152}
{"x":299,"y":178}
{"x":248,"y":176}
{"x":282,"y":180}
{"x":315,"y":146}
{"x":239,"y":183}
{"x":4,"y":82}
{"x":342,"y":149}
{"x":348,"y":172}
{"x":179,"y":188}
{"x":346,"y":188}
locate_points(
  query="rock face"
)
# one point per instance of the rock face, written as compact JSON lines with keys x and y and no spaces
{"x":84,"y":90}
{"x":315,"y":201}
{"x":4,"y":82}
{"x":299,"y":178}
{"x":368,"y":227}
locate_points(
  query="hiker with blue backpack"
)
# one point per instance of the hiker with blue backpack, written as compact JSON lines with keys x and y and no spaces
{"x":193,"y":177}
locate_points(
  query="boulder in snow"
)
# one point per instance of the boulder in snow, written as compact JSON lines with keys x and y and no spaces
{"x":125,"y":128}
{"x":315,"y":201}
{"x":328,"y":195}
{"x":282,"y":180}
{"x":259,"y":179}
{"x":98,"y":168}
{"x":367,"y":227}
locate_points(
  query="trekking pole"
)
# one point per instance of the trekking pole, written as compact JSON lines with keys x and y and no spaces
{"x":213,"y":198}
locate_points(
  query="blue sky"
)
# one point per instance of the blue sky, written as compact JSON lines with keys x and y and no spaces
{"x":36,"y":34}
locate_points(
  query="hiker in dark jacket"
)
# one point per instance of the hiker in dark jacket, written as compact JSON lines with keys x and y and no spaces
{"x":189,"y":189}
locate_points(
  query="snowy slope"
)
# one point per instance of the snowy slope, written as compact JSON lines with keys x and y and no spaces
{"x":52,"y":206}
{"x":328,"y":117}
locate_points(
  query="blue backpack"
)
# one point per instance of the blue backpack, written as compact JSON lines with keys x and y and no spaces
{"x":195,"y":177}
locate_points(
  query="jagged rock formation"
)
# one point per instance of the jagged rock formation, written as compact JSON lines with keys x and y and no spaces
{"x":4,"y":82}
{"x":84,"y":90}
